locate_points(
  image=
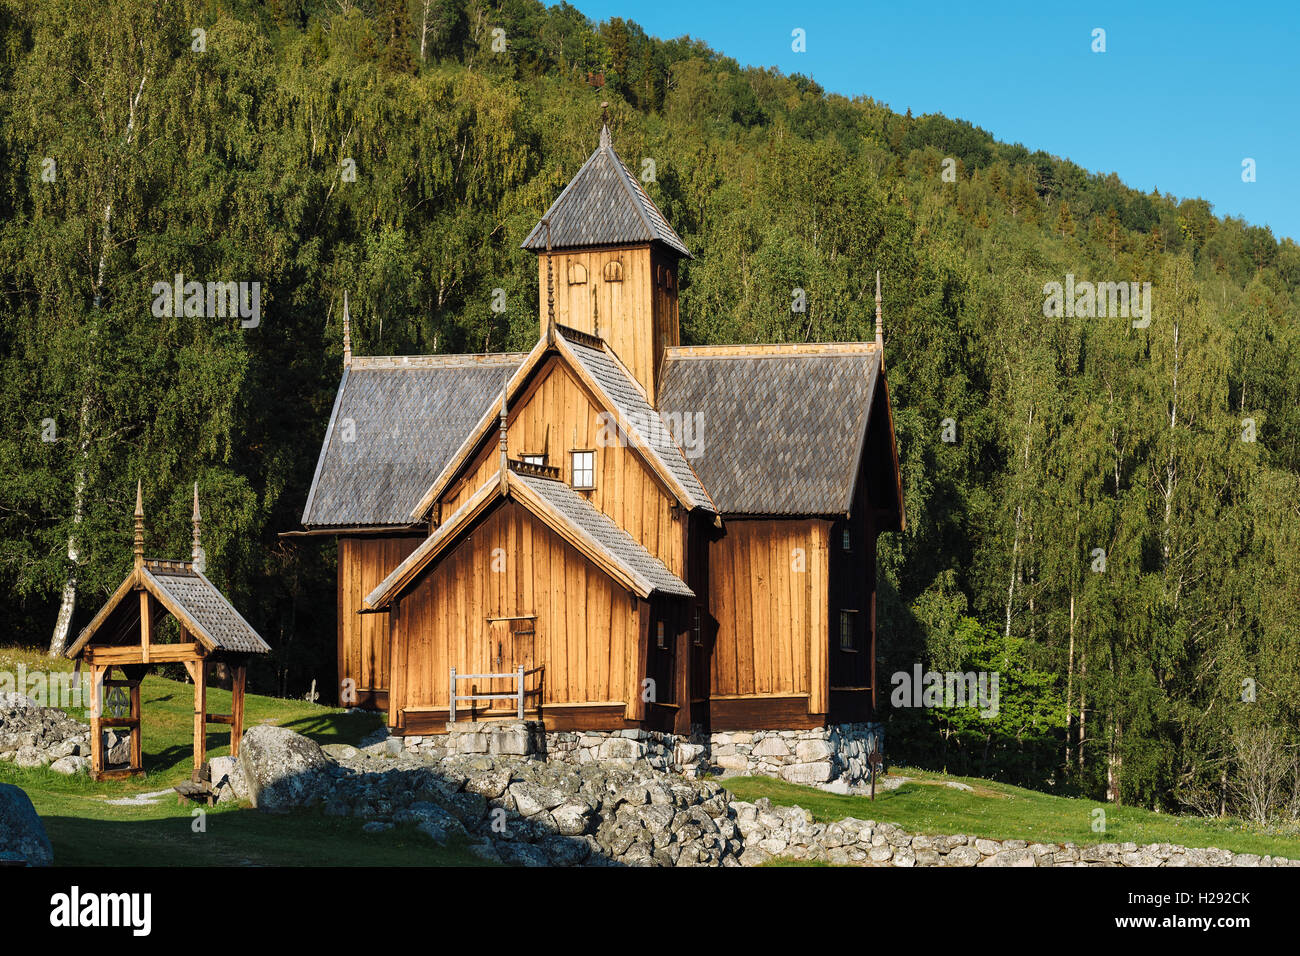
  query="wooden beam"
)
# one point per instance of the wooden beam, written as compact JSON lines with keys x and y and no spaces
{"x":132,"y":654}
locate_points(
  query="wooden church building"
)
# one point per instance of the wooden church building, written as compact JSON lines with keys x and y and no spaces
{"x":612,"y":530}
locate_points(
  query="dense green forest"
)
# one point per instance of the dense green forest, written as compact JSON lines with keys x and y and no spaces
{"x":1106,"y":511}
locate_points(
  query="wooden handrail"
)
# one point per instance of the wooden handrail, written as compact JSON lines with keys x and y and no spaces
{"x":520,"y":692}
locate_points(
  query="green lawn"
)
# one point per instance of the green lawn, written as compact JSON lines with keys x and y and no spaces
{"x":86,"y":830}
{"x":1002,"y":812}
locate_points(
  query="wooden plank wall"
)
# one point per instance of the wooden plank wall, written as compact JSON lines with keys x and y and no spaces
{"x":363,"y":638}
{"x":768,"y":598}
{"x":626,"y":308}
{"x":555,"y":415}
{"x":585,"y":629}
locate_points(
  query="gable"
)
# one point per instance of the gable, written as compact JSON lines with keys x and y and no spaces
{"x":563,"y":510}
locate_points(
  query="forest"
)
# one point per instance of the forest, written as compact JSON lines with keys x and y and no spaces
{"x":1104,"y":509}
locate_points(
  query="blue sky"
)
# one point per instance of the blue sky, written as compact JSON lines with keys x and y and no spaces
{"x":1183,"y":94}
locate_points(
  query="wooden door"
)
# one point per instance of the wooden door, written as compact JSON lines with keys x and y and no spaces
{"x":499,"y":657}
{"x":523,"y":642}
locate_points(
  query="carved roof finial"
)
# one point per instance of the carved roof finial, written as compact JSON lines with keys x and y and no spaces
{"x":138,"y":549}
{"x":880,"y":325}
{"x":347,"y":333}
{"x":605,"y":139}
{"x":196,"y":552}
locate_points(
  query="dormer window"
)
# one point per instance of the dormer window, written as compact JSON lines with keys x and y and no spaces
{"x":584,"y":470}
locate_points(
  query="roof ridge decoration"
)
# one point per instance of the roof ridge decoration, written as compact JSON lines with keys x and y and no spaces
{"x":603,"y":204}
{"x":347,"y":333}
{"x":783,"y":350}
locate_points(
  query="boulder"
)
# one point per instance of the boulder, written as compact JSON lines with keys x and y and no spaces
{"x":70,"y":765}
{"x":282,"y":769}
{"x":22,"y":835}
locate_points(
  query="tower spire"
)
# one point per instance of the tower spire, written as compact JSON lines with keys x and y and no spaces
{"x":880,"y":326}
{"x":605,"y":139}
{"x":138,"y":549}
{"x":550,"y":286}
{"x":196,"y":552}
{"x":347,"y":335}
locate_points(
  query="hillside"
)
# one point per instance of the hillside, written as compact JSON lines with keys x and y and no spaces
{"x":1105,"y":511}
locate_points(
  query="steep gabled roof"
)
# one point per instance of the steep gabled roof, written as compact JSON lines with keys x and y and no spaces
{"x":396,"y":422}
{"x":190,"y":598}
{"x":783,"y":427}
{"x":598,"y":367}
{"x":624,"y":392}
{"x":619,"y":547}
{"x":565,"y":512}
{"x":604,"y":205}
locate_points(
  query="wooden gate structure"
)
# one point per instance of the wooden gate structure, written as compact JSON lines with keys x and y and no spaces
{"x":123,"y":635}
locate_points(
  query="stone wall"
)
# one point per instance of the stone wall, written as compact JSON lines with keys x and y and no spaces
{"x":836,"y":756}
{"x":767,"y":831}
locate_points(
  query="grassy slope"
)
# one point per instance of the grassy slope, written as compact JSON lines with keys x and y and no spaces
{"x":86,"y":830}
{"x":1003,"y":812}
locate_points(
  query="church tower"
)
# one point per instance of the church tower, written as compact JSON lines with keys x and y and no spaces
{"x":614,"y":264}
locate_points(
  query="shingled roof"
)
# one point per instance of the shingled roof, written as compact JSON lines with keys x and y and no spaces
{"x":188,"y":596}
{"x":604,"y":205}
{"x":782,"y":426}
{"x":405,"y":417}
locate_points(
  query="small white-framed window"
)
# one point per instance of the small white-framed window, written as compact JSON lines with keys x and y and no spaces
{"x":697,"y":630}
{"x":534,"y":459}
{"x":846,"y":541}
{"x":584,"y":469}
{"x":848,"y":628}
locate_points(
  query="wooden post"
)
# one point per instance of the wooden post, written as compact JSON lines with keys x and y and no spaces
{"x":200,"y":672}
{"x":682,"y":674}
{"x":451,"y":711}
{"x":146,"y":625}
{"x":237,"y":708}
{"x":96,"y":720}
{"x":137,"y":730}
{"x":521,"y":691}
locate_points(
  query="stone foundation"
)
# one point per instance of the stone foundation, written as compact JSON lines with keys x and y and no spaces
{"x":835,"y":756}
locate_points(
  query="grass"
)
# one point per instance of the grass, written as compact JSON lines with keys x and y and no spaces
{"x":1000,"y":811}
{"x":86,"y":830}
